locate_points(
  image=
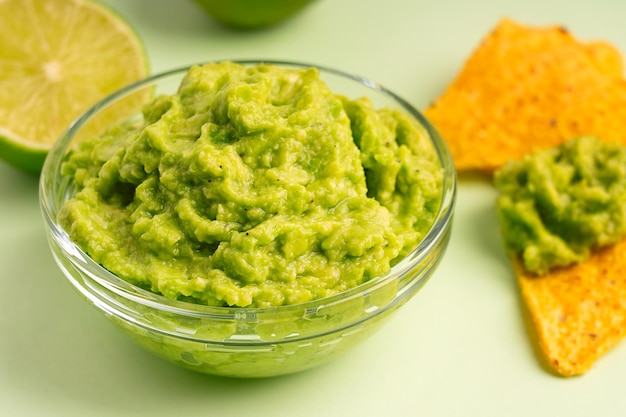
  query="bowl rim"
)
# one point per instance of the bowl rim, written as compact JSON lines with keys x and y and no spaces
{"x":121,"y":287}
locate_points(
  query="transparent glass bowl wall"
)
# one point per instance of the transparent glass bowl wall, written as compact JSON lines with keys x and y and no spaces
{"x":242,"y":342}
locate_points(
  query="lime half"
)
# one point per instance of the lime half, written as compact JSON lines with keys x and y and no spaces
{"x":57,"y":58}
{"x":251,"y":14}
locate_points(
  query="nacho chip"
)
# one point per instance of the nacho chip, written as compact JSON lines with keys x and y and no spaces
{"x":607,"y":58}
{"x":579,"y":312}
{"x":530,"y":88}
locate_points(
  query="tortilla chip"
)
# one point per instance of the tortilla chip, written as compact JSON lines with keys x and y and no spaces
{"x":578,"y":312}
{"x":607,"y":58}
{"x":526,"y":89}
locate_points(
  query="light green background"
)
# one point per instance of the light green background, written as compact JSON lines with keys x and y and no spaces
{"x":458,"y":349}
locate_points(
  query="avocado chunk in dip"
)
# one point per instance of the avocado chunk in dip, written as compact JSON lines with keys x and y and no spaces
{"x":559,"y":204}
{"x":253,"y":186}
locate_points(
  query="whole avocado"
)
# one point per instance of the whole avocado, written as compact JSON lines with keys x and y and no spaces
{"x":251,"y":14}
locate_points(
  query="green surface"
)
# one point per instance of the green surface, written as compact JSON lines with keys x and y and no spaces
{"x":459,"y":348}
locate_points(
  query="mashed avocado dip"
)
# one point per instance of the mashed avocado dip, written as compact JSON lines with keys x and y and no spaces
{"x":253,"y":186}
{"x":559,"y":204}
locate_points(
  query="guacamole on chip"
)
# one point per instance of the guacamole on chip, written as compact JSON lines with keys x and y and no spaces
{"x":559,"y":204}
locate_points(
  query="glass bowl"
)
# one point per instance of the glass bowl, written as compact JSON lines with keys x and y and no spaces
{"x":237,"y":341}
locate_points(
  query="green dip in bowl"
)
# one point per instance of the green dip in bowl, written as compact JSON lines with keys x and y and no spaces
{"x":255,"y":219}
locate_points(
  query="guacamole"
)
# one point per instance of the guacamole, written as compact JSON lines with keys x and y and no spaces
{"x":253,"y":186}
{"x":559,"y":204}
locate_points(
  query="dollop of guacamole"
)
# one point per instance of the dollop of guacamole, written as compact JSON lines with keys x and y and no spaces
{"x":253,"y":186}
{"x":559,"y":204}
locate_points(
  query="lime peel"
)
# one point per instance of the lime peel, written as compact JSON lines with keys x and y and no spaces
{"x":26,"y":155}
